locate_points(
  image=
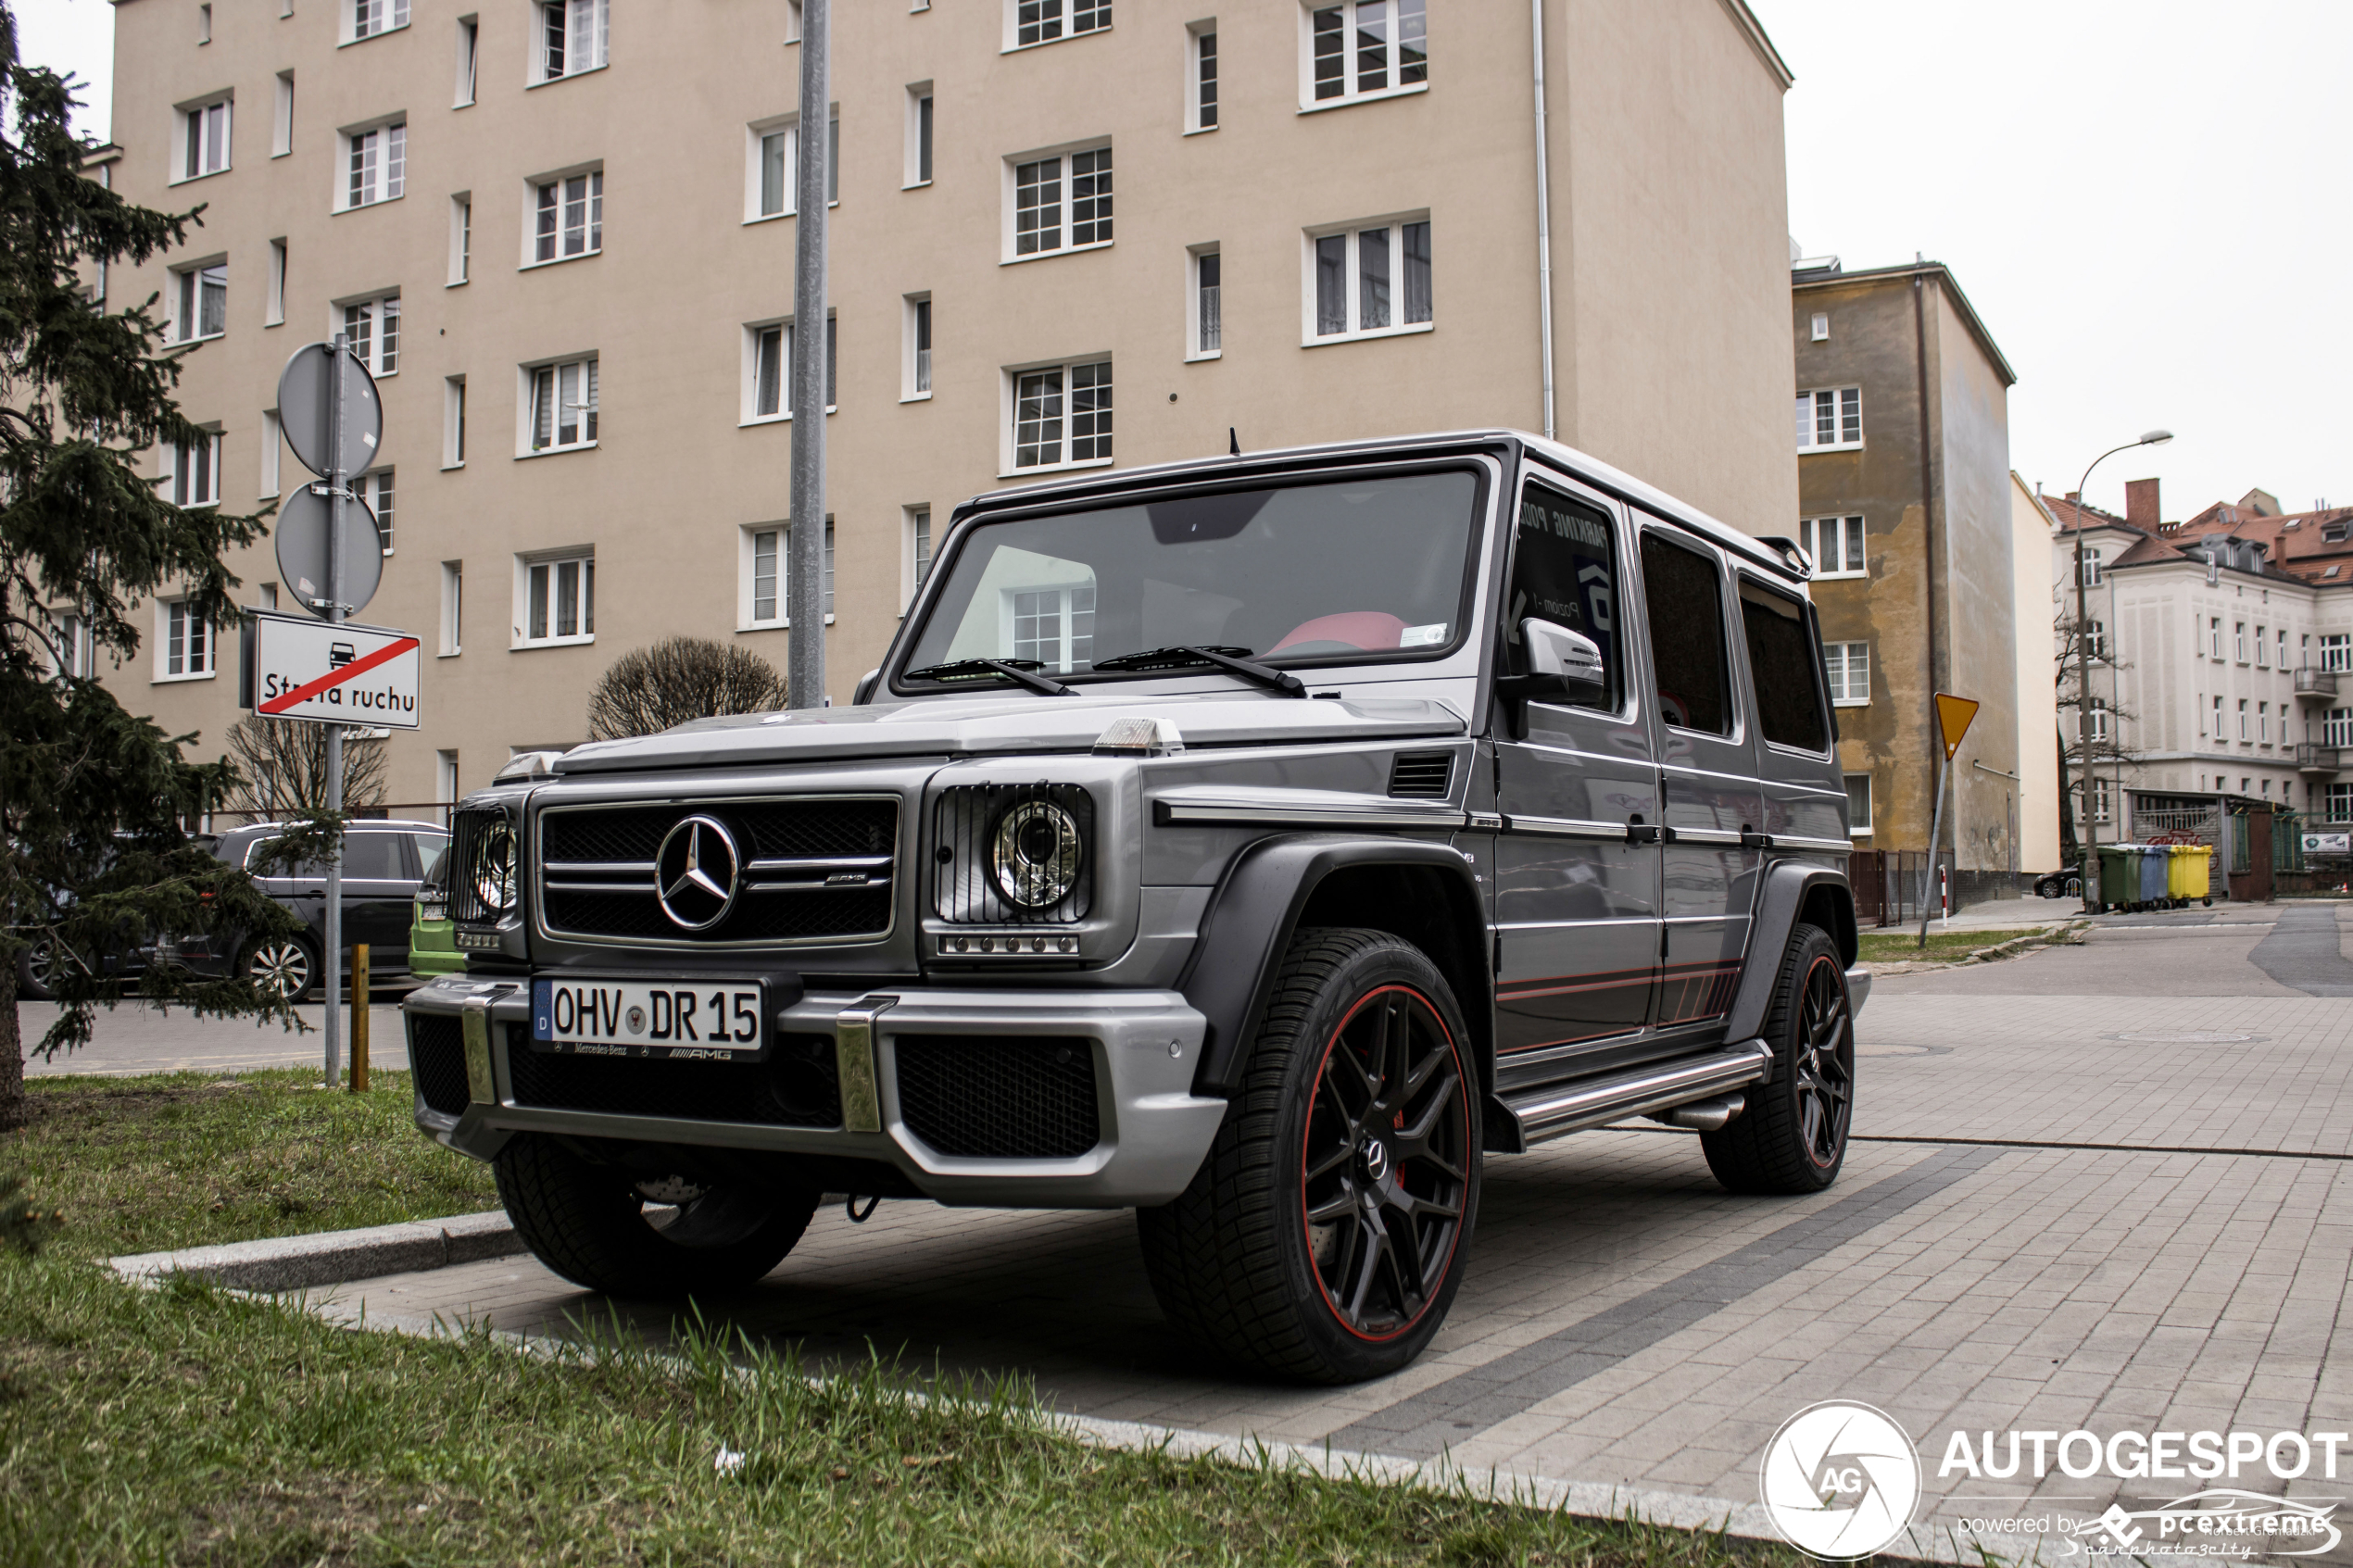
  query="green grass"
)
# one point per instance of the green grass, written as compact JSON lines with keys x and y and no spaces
{"x":185,"y":1425}
{"x":1948,"y":946}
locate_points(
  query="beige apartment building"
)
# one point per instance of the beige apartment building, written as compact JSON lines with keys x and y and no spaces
{"x":1065,"y":233}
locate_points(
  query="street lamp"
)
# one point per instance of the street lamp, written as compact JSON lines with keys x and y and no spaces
{"x":2084,"y":660}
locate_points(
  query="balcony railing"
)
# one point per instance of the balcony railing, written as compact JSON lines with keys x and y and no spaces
{"x":2311,"y":681}
{"x":2313,"y":758}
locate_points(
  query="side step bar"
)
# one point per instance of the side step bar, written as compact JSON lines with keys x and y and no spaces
{"x":1550,"y":1112}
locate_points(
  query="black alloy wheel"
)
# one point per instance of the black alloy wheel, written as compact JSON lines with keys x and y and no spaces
{"x":1382,"y":1167}
{"x":1791,"y":1136}
{"x":38,"y":969}
{"x":1825,"y":1063}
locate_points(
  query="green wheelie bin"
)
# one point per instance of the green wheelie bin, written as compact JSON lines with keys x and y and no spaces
{"x":2111,"y":876}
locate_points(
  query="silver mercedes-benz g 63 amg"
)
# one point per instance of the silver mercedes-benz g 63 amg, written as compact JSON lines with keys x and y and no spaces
{"x":1256,"y":843}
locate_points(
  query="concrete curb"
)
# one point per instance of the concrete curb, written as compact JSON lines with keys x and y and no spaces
{"x":299,"y":1262}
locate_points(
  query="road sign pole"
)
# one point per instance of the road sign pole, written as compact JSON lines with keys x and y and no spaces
{"x":338,"y":481}
{"x":805,"y":575}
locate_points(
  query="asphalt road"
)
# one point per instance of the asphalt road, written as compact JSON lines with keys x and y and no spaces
{"x":134,"y":1037}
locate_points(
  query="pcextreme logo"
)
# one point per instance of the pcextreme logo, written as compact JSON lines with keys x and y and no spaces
{"x":1840,"y":1480}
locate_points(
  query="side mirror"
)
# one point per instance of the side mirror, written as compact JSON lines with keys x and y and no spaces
{"x":1562,"y":664}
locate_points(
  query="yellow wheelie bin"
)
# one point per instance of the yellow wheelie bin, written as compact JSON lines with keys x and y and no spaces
{"x":2190,"y":875}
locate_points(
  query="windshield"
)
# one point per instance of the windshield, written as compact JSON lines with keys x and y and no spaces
{"x":1331,"y":572}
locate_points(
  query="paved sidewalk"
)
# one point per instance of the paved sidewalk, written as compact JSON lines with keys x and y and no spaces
{"x":2147,"y":1221}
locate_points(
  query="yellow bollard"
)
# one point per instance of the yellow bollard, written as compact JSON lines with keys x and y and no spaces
{"x":359,"y":1018}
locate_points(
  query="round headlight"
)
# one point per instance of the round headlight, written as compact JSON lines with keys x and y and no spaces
{"x":492,"y":873}
{"x":1035,"y":854}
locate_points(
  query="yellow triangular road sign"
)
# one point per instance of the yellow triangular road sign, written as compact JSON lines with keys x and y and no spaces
{"x":1953,"y":716}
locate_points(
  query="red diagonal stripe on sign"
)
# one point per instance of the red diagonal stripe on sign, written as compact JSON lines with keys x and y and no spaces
{"x":336,"y":677}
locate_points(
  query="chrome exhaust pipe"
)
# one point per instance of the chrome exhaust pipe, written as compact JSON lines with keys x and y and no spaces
{"x":1704,"y":1115}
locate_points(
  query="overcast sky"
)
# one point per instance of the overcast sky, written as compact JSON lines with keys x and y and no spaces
{"x":2146,"y":201}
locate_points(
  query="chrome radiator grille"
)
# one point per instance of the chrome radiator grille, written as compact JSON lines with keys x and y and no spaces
{"x":795,"y":869}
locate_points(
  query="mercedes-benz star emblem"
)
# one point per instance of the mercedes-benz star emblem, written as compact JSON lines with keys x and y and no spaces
{"x":1376,"y":1160}
{"x":695,"y":873}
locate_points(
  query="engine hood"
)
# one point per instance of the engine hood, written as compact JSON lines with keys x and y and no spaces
{"x":1000,"y":725}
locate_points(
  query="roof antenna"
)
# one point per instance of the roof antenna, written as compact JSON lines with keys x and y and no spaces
{"x":1233,"y":442}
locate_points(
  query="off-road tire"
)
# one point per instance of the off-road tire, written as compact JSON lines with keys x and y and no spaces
{"x":1232,"y":1260}
{"x":587,"y":1222}
{"x":1767,"y":1148}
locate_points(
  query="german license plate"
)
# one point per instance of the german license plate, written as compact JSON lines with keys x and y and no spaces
{"x":713,"y":1020}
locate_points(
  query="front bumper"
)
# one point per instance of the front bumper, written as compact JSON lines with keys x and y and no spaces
{"x":1145,"y":1046}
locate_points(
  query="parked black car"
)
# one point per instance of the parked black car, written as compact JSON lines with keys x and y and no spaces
{"x":383,"y":863}
{"x":39,"y":963}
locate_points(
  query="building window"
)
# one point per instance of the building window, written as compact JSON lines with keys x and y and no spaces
{"x":203,"y":24}
{"x":773,"y":183}
{"x":1200,"y":76}
{"x":2100,"y":719}
{"x":274,"y":312}
{"x":2218,"y":721}
{"x":201,"y":302}
{"x":2282,"y":636}
{"x":1833,"y":544}
{"x":1207,"y":313}
{"x":563,"y":404}
{"x":1043,"y":22}
{"x":1364,"y":283}
{"x":1848,"y":667}
{"x":1858,"y":805}
{"x":767,"y":574}
{"x":568,"y":217}
{"x":378,"y":164}
{"x":2340,"y":800}
{"x":376,"y":489}
{"x":2244,"y":735}
{"x":469,"y":60}
{"x":195,"y":471}
{"x":1366,"y":49}
{"x":918,"y":547}
{"x":71,"y":654}
{"x":461,"y":237}
{"x":2336,"y":651}
{"x":2101,"y":791}
{"x":1062,"y":415}
{"x":204,"y":139}
{"x":915,"y":374}
{"x":186,"y":644}
{"x":556,"y":598}
{"x":571,"y":38}
{"x":768,"y":360}
{"x":919,"y":99}
{"x":282,"y":125}
{"x":1054,"y":624}
{"x":369,"y":18}
{"x":2262,"y":649}
{"x":453,"y":422}
{"x":372,"y":329}
{"x":2238,"y":639}
{"x":270,"y":443}
{"x":2263,"y":723}
{"x":453,"y":608}
{"x":1830,"y":420}
{"x":1041,"y":226}
{"x":2096,"y":639}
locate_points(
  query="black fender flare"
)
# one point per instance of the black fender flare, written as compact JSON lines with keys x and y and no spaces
{"x":1229,"y":978}
{"x":1790,"y":885}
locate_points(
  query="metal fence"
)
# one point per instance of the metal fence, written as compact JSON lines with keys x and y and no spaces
{"x":1891,"y":886}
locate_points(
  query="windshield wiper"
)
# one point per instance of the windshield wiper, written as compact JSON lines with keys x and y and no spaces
{"x":1233,"y":661}
{"x":1018,"y":670}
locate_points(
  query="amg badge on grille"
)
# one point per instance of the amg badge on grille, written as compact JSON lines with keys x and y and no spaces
{"x":696,"y":873}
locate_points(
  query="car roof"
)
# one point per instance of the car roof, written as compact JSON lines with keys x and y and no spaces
{"x":367,"y":824}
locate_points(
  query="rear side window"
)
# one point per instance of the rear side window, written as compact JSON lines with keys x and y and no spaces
{"x":1565,"y":570}
{"x":429,"y":848}
{"x":372,"y":857}
{"x":1685,"y":597}
{"x":1780,"y":661}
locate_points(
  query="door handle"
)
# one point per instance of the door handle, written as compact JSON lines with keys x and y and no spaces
{"x":1752,"y":839}
{"x":1640,"y":832}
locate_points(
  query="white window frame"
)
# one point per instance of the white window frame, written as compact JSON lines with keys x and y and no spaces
{"x":585,"y":22}
{"x":1065,"y":614}
{"x":2245,"y":739}
{"x":1310,"y":299}
{"x":381,"y":314}
{"x":2102,"y":802}
{"x":1198,"y":309}
{"x":187,"y":309}
{"x":921,"y":136}
{"x":73,"y":654}
{"x":380,"y":16}
{"x":1065,"y":226}
{"x":375,"y":487}
{"x":187,"y":645}
{"x":274,"y":307}
{"x":387,"y":180}
{"x":1841,"y":664}
{"x":919,"y":549}
{"x":2336,"y":651}
{"x":2262,"y":647}
{"x":2099,"y":713}
{"x":2214,"y":636}
{"x":2092,"y":560}
{"x":747,"y":538}
{"x":193,"y":140}
{"x":590,"y":419}
{"x":2096,"y":641}
{"x":2263,"y":723}
{"x":1201,"y":95}
{"x":282,"y":119}
{"x":2217,"y":711}
{"x":591,"y":206}
{"x":453,"y":610}
{"x":582,"y":559}
{"x":2338,"y":803}
{"x":2238,"y":640}
{"x":787,"y":339}
{"x":1853,"y":554}
{"x":453,"y":422}
{"x":1009,"y":384}
{"x":2283,"y":663}
{"x":271,"y":439}
{"x":1063,"y":16}
{"x":1393,"y":13}
{"x":2336,"y":727}
{"x":918,"y":339}
{"x":787,"y":126}
{"x":175,"y":467}
{"x":461,"y":238}
{"x":1845,"y":407}
{"x":468,"y":61}
{"x":1859,"y":829}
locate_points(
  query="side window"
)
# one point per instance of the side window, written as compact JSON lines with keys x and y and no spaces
{"x":1685,"y":597}
{"x":1781,"y":664}
{"x":1564,"y":569}
{"x":372,"y":857}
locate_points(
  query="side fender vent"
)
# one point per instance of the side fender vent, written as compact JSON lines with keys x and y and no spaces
{"x":1422,"y":775}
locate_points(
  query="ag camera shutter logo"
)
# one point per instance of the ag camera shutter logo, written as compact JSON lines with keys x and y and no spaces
{"x":1840,"y":1480}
